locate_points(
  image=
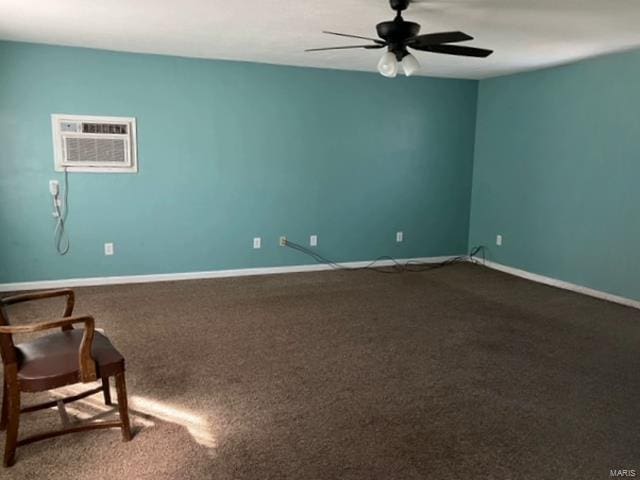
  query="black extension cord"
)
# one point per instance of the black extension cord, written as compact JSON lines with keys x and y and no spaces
{"x":397,"y":267}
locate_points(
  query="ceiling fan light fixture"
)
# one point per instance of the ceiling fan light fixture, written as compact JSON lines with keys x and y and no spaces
{"x":388,"y":65}
{"x":410,"y":65}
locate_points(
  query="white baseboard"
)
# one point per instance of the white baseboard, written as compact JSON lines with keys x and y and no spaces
{"x":561,"y":284}
{"x":171,"y":277}
{"x":242,"y":272}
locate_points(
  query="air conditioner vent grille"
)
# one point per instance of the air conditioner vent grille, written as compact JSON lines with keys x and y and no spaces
{"x":95,"y":150}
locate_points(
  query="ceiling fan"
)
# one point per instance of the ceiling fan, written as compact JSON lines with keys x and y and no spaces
{"x":398,"y":35}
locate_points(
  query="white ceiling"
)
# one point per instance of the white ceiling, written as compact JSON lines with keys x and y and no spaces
{"x":525,"y":34}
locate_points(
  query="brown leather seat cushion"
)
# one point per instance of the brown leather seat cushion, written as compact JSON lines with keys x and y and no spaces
{"x":52,"y":360}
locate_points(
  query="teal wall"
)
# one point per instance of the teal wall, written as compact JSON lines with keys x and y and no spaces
{"x":228,"y":151}
{"x":557,"y":172}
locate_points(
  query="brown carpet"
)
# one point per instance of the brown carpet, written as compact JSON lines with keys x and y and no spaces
{"x":457,"y":373}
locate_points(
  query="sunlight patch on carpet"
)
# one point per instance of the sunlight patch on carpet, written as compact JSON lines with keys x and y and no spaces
{"x":142,"y":410}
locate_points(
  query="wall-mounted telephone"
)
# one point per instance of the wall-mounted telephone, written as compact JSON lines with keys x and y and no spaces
{"x":54,"y":187}
{"x":60,"y":214}
{"x":54,"y":190}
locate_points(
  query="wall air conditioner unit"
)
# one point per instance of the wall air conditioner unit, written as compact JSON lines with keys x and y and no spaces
{"x":94,"y":144}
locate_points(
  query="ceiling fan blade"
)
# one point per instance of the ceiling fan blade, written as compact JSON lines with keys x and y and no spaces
{"x":437,"y":38}
{"x":456,"y":50}
{"x":377,"y":40}
{"x":345,"y":47}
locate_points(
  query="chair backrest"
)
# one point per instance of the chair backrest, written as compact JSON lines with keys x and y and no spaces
{"x":7,"y":348}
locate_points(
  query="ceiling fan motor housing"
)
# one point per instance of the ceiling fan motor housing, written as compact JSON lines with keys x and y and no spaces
{"x":396,"y":33}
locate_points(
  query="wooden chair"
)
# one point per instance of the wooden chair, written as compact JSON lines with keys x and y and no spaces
{"x":51,"y":361}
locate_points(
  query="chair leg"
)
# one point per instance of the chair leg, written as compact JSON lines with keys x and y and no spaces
{"x":11,"y":441}
{"x":105,"y":391}
{"x":5,"y":407}
{"x":123,"y":407}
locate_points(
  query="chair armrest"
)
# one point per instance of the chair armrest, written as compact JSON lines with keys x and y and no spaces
{"x":27,"y":297}
{"x":47,"y":325}
{"x":87,"y":363}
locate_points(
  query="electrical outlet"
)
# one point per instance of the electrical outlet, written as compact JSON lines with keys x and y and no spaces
{"x":257,"y":242}
{"x":283,"y":241}
{"x":108,"y":248}
{"x":313,"y":241}
{"x":499,"y":240}
{"x":399,"y":237}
